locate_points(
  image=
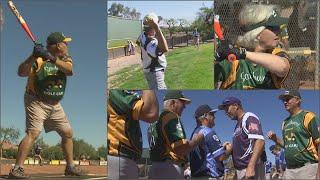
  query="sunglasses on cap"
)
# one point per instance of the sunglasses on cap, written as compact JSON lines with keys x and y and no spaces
{"x":274,"y":29}
{"x":286,"y":99}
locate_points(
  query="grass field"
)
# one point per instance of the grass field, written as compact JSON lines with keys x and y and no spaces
{"x":188,"y":68}
{"x":117,"y":43}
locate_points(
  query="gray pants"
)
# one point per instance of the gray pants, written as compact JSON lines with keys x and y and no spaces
{"x":122,"y":168}
{"x":308,"y":171}
{"x":259,"y":172}
{"x":155,"y":80}
{"x":165,"y":170}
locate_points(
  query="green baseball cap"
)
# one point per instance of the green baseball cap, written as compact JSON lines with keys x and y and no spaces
{"x":273,"y":21}
{"x":57,"y":37}
{"x":176,"y":94}
{"x":290,"y":94}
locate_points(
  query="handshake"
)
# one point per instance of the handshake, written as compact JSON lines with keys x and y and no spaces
{"x":225,"y":50}
{"x":39,"y":51}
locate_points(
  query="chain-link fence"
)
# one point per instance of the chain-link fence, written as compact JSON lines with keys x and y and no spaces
{"x":303,"y":30}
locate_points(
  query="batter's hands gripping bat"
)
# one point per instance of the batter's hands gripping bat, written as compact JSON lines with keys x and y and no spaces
{"x":23,"y":23}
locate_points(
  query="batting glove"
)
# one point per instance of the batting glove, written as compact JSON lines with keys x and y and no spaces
{"x":225,"y":50}
{"x":38,"y":50}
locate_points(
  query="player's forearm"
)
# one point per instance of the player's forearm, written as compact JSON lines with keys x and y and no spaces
{"x":64,"y":66}
{"x":150,"y":109}
{"x":162,"y":42}
{"x":185,"y":149}
{"x":276,"y":64}
{"x":279,"y":142}
{"x":25,"y":67}
{"x":257,"y":151}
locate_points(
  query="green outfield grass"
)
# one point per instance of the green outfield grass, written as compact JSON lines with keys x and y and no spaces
{"x":120,"y":42}
{"x":188,"y":68}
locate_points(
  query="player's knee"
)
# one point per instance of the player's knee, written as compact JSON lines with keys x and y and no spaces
{"x":33,"y":134}
{"x":66,"y":133}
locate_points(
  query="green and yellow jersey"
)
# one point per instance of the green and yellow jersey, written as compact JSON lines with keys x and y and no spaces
{"x":301,"y":139}
{"x":124,"y":133}
{"x":165,"y":135}
{"x":242,"y":74}
{"x":46,"y":80}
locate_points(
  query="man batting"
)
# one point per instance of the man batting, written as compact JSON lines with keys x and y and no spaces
{"x":47,"y":72}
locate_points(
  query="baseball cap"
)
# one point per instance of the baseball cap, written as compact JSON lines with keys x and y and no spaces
{"x":273,"y":21}
{"x":228,"y":101}
{"x":203,"y":109}
{"x":152,"y":16}
{"x":290,"y":94}
{"x":57,"y":37}
{"x":176,"y":94}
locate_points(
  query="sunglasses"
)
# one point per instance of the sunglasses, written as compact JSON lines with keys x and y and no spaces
{"x":274,"y":29}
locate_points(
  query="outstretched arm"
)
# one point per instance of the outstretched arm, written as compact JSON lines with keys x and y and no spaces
{"x":276,"y":64}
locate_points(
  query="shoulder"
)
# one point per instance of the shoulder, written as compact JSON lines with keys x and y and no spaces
{"x":168,"y":117}
{"x":280,"y":52}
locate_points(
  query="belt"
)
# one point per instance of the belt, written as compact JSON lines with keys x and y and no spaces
{"x":48,"y":101}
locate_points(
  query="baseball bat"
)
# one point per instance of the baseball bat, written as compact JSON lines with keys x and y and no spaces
{"x":23,"y":23}
{"x":218,"y":31}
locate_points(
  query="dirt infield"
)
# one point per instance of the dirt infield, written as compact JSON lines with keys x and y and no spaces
{"x":55,"y":171}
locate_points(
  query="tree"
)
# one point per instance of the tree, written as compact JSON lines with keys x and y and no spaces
{"x":183,"y":25}
{"x":120,"y":10}
{"x":171,"y":25}
{"x":8,"y":135}
{"x":53,"y":152}
{"x":80,"y":147}
{"x":102,"y":152}
{"x":160,"y":18}
{"x":116,"y":9}
{"x":204,"y":22}
{"x":10,"y":153}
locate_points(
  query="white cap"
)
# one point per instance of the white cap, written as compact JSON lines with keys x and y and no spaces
{"x":151,"y":16}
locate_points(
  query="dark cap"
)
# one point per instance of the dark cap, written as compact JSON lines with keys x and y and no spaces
{"x":203,"y":109}
{"x":57,"y":37}
{"x":273,"y":21}
{"x":290,"y":94}
{"x":176,"y":94}
{"x":228,"y":101}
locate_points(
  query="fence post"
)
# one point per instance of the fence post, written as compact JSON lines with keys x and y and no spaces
{"x":316,"y":74}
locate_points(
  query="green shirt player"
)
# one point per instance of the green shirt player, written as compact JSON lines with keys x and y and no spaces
{"x":301,"y":139}
{"x":125,"y":109}
{"x":257,"y":62}
{"x":167,"y":139}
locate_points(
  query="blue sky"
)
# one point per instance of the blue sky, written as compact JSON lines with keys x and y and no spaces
{"x":84,"y":101}
{"x":167,"y":9}
{"x":263,"y":103}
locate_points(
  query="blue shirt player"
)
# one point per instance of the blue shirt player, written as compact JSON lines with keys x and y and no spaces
{"x":206,"y":160}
